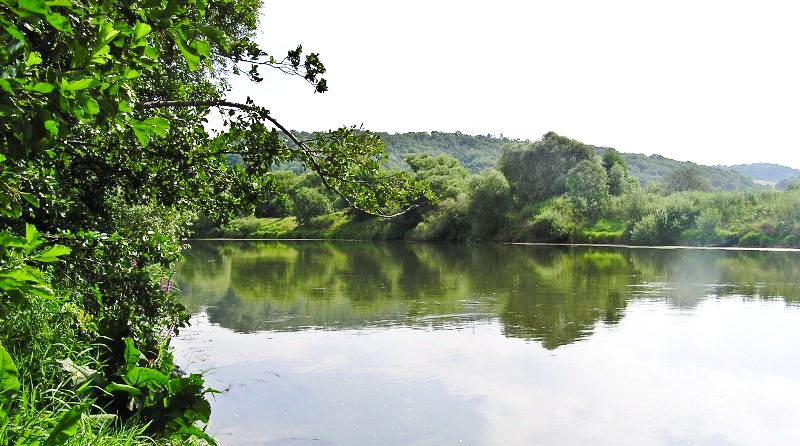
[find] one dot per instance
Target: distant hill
(774, 173)
(648, 169)
(481, 152)
(475, 152)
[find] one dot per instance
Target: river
(357, 343)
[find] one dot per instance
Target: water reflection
(552, 295)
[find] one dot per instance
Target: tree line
(552, 190)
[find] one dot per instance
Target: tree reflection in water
(553, 295)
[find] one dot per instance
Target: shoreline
(584, 245)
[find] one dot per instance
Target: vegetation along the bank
(105, 162)
(552, 190)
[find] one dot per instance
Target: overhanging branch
(263, 113)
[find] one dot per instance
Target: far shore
(586, 245)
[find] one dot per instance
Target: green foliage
(604, 231)
(686, 178)
(554, 221)
(104, 162)
(656, 168)
(445, 175)
(448, 221)
(489, 203)
(310, 203)
(618, 180)
(766, 171)
(665, 224)
(475, 153)
(481, 152)
(280, 203)
(587, 187)
(539, 170)
(169, 403)
(9, 383)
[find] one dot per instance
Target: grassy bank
(747, 219)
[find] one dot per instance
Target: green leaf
(26, 275)
(141, 30)
(191, 57)
(91, 106)
(9, 376)
(62, 3)
(107, 33)
(42, 291)
(12, 241)
(132, 74)
(142, 134)
(34, 58)
(67, 426)
(31, 233)
(6, 85)
(78, 373)
(159, 126)
(140, 376)
(14, 32)
(51, 254)
(194, 431)
(114, 387)
(37, 6)
(43, 87)
(132, 354)
(83, 84)
(52, 127)
(202, 47)
(9, 383)
(30, 198)
(59, 22)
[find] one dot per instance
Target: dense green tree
(445, 174)
(688, 177)
(489, 203)
(539, 170)
(309, 203)
(611, 157)
(587, 187)
(618, 180)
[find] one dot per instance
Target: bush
(489, 203)
(755, 238)
(447, 222)
(310, 203)
(280, 205)
(645, 231)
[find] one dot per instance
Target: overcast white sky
(714, 82)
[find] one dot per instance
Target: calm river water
(356, 343)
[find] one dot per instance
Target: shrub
(447, 222)
(309, 202)
(489, 203)
(553, 223)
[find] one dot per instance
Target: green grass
(604, 231)
(337, 225)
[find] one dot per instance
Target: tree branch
(264, 113)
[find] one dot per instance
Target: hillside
(648, 169)
(475, 152)
(480, 152)
(766, 171)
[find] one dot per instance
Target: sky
(714, 82)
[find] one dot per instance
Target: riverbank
(342, 226)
